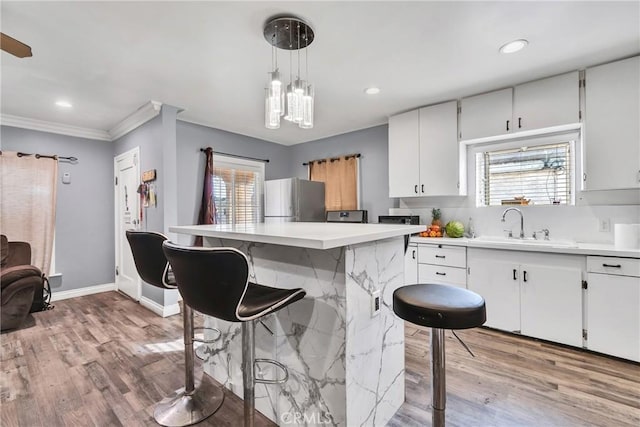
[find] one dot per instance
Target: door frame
(136, 152)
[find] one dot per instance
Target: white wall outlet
(376, 303)
(604, 225)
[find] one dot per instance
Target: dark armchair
(18, 282)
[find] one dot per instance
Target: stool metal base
(183, 409)
(438, 378)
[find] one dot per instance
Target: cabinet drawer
(429, 273)
(610, 265)
(449, 256)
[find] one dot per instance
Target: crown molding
(51, 127)
(139, 117)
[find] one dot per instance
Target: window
(526, 175)
(237, 190)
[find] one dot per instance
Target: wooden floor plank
(104, 360)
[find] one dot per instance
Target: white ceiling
(211, 59)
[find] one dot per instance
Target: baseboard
(80, 292)
(161, 310)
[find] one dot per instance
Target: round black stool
(215, 282)
(439, 307)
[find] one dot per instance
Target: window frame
(574, 135)
(230, 162)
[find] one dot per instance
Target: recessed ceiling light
(372, 91)
(64, 104)
(514, 46)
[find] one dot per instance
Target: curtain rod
(332, 159)
(48, 156)
(237, 155)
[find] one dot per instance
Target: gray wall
(372, 144)
(149, 138)
(192, 137)
(84, 211)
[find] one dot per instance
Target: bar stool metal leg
(248, 371)
(438, 380)
(190, 404)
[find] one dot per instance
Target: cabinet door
(547, 102)
(488, 114)
(613, 315)
(612, 134)
(551, 303)
(404, 156)
(498, 283)
(411, 265)
(439, 161)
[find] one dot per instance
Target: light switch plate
(604, 225)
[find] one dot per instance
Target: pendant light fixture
(293, 102)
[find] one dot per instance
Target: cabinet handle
(515, 277)
(413, 255)
(524, 275)
(422, 188)
(519, 122)
(441, 256)
(507, 124)
(441, 274)
(612, 265)
(415, 188)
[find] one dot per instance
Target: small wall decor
(147, 189)
(148, 176)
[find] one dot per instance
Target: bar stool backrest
(151, 263)
(212, 281)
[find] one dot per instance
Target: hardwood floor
(104, 360)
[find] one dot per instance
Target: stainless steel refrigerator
(293, 200)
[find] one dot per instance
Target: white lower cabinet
(538, 295)
(411, 265)
(613, 306)
(442, 264)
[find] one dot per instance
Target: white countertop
(314, 235)
(599, 249)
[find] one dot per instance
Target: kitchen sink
(527, 241)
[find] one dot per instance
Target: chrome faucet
(521, 219)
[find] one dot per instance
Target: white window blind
(237, 188)
(539, 175)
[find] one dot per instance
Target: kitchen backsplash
(577, 223)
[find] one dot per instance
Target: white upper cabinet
(439, 150)
(485, 115)
(539, 104)
(423, 152)
(612, 133)
(547, 102)
(404, 159)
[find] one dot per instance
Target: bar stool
(215, 281)
(189, 404)
(439, 307)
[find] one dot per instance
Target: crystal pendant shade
(293, 101)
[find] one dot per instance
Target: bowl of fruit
(432, 231)
(435, 229)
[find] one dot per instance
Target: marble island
(346, 364)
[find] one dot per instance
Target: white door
(488, 114)
(611, 125)
(127, 211)
(498, 282)
(439, 150)
(551, 303)
(613, 315)
(548, 102)
(411, 265)
(404, 155)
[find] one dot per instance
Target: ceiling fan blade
(14, 47)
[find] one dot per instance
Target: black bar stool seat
(439, 307)
(215, 281)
